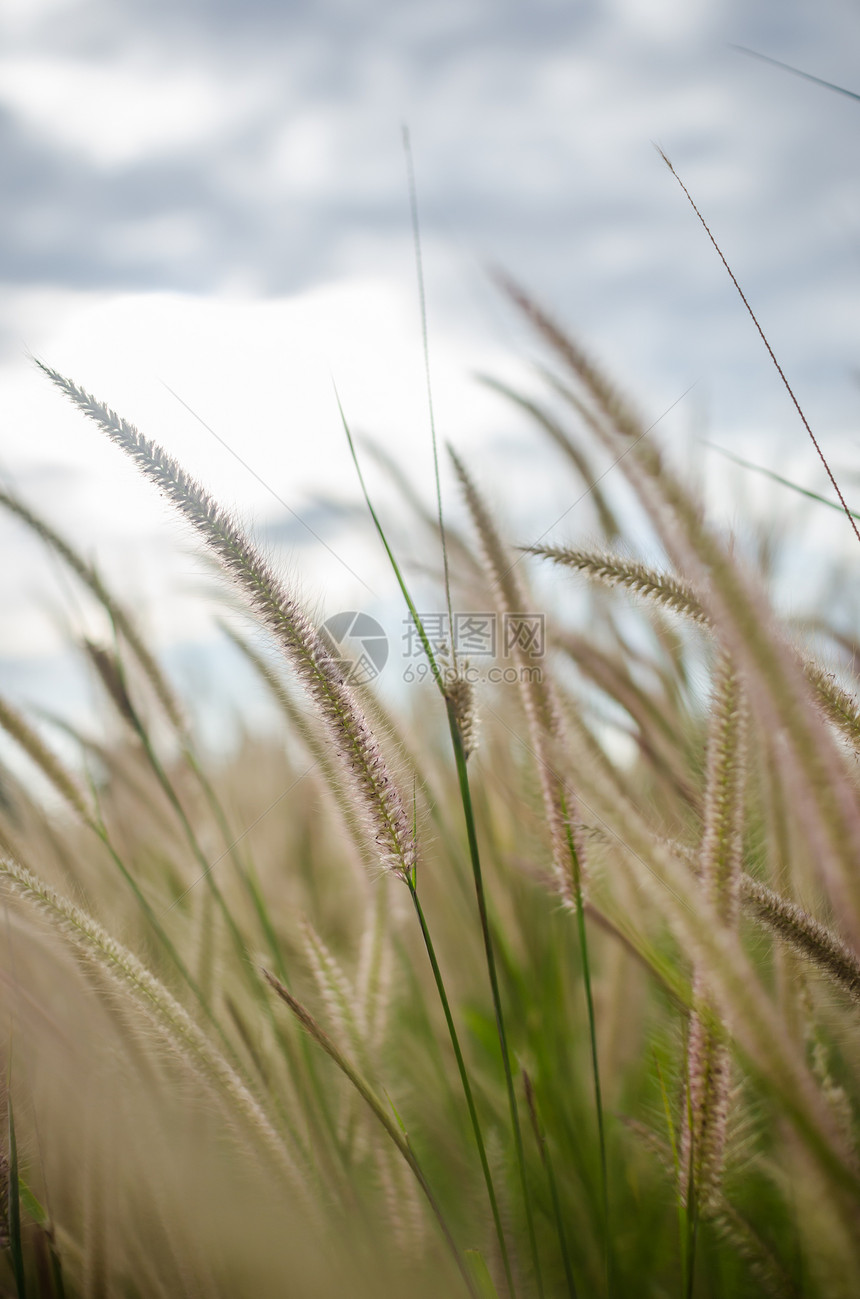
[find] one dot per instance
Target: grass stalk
(848, 513)
(379, 1111)
(17, 727)
(582, 932)
(546, 732)
(466, 1085)
(663, 841)
(94, 945)
(16, 1247)
(460, 759)
(827, 802)
(552, 1182)
(489, 955)
(622, 572)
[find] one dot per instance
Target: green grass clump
(473, 999)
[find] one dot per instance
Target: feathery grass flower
(359, 751)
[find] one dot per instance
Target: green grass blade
(35, 1210)
(481, 1274)
(401, 581)
(467, 1088)
(16, 1246)
(391, 1125)
(582, 932)
(474, 855)
(797, 72)
(422, 300)
(546, 1160)
(778, 478)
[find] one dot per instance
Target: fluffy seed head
(353, 740)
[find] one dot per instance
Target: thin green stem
(16, 1247)
(401, 582)
(692, 1213)
(394, 1129)
(546, 1160)
(193, 843)
(592, 1033)
(422, 303)
(464, 1079)
(676, 1164)
(475, 859)
(474, 855)
(247, 875)
(693, 1234)
(250, 972)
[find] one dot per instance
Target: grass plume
(283, 617)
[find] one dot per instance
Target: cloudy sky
(205, 220)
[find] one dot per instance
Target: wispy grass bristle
(720, 865)
(96, 946)
(539, 702)
(628, 574)
(825, 801)
(19, 729)
(120, 617)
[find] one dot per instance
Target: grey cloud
(531, 127)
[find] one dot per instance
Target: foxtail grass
(453, 706)
(284, 618)
(96, 946)
(703, 1135)
(118, 614)
(826, 802)
(389, 1124)
(545, 725)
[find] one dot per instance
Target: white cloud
(114, 113)
(18, 18)
(664, 21)
(260, 373)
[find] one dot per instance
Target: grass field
(471, 999)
